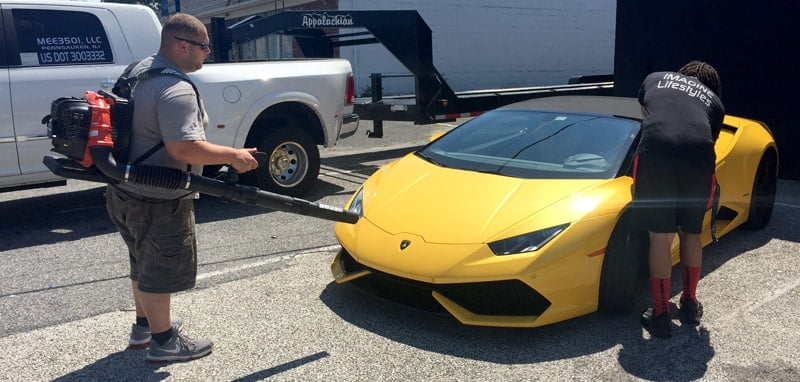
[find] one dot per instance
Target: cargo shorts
(161, 240)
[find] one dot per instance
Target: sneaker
(690, 312)
(140, 335)
(179, 348)
(658, 326)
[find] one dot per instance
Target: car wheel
(293, 163)
(622, 265)
(762, 199)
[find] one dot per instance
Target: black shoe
(658, 326)
(690, 311)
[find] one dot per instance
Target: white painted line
(772, 296)
(339, 172)
(270, 260)
(752, 306)
(787, 205)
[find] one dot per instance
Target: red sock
(691, 276)
(660, 290)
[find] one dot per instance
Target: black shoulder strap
(148, 153)
(125, 83)
(124, 88)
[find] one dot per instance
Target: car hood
(445, 205)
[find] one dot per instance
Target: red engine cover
(100, 129)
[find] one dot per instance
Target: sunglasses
(202, 45)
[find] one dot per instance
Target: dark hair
(705, 73)
(181, 25)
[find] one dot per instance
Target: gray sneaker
(179, 348)
(140, 335)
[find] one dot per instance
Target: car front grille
(495, 298)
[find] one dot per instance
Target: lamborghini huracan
(521, 217)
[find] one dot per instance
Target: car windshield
(536, 145)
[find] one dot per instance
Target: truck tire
(622, 265)
(293, 162)
(762, 199)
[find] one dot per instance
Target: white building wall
(480, 44)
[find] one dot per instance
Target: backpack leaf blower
(81, 129)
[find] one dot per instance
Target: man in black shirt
(674, 180)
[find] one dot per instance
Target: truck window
(3, 48)
(48, 37)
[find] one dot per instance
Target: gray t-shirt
(165, 109)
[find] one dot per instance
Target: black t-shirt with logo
(682, 119)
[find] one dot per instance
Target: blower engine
(93, 132)
(77, 124)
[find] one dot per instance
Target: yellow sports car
(521, 217)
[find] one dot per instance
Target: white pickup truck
(51, 49)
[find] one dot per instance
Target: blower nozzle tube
(172, 178)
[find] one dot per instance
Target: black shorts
(670, 195)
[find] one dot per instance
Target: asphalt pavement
(283, 318)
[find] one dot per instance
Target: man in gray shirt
(158, 224)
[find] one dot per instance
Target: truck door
(9, 165)
(60, 51)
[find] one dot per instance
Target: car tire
(762, 199)
(622, 265)
(293, 163)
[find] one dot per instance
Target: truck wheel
(293, 162)
(762, 199)
(621, 268)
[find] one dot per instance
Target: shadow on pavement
(75, 215)
(126, 365)
(684, 357)
(581, 336)
(440, 333)
(360, 163)
(264, 374)
(130, 365)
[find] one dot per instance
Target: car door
(59, 51)
(9, 165)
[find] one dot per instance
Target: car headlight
(528, 242)
(357, 206)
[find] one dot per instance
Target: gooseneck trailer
(408, 37)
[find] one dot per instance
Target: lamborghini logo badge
(404, 244)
